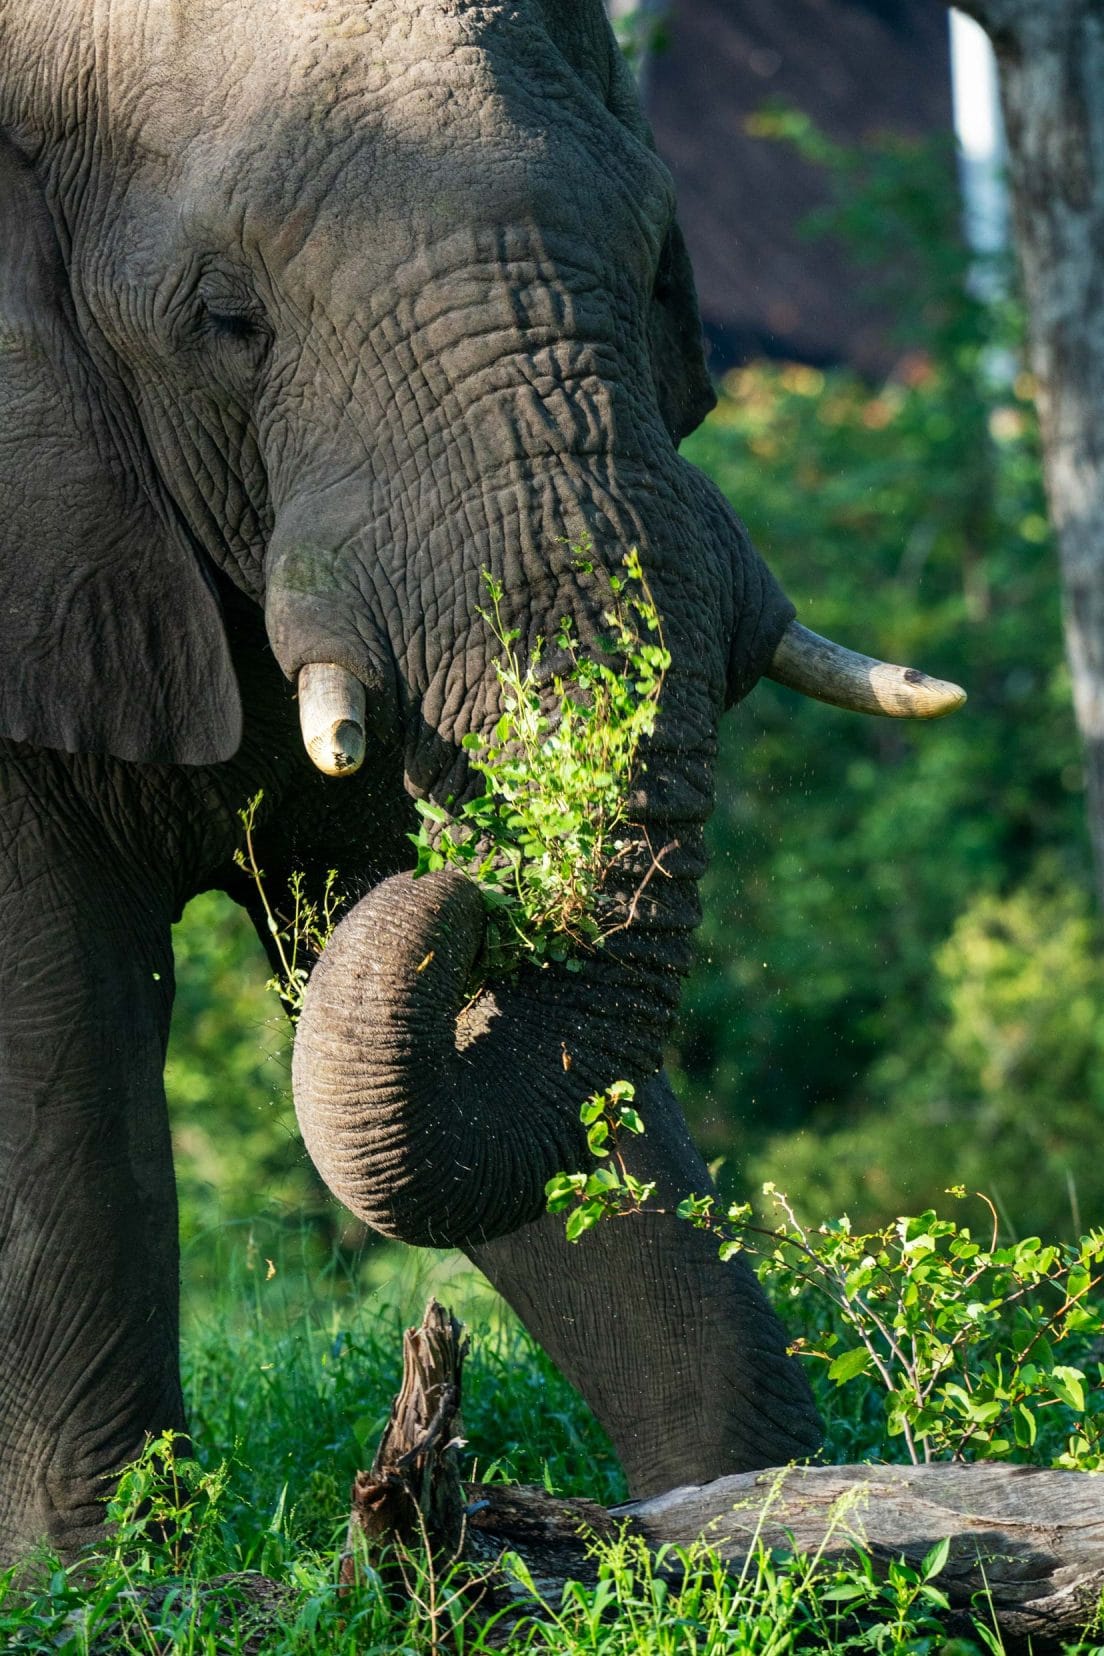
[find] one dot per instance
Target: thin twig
(656, 868)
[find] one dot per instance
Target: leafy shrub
(551, 822)
(960, 1336)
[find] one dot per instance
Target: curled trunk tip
(430, 1133)
(437, 1120)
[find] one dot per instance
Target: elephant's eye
(227, 309)
(231, 323)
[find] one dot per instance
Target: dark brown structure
(855, 66)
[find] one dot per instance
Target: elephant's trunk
(439, 1119)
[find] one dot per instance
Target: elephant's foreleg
(88, 1245)
(680, 1357)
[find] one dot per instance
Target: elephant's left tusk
(331, 717)
(816, 667)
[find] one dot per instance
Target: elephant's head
(346, 304)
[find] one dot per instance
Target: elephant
(311, 311)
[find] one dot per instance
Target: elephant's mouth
(332, 699)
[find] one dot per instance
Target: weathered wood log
(1026, 1544)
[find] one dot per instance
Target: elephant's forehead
(224, 67)
(305, 126)
(299, 109)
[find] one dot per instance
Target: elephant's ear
(111, 639)
(682, 381)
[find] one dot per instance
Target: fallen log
(1026, 1544)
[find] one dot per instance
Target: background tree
(1051, 58)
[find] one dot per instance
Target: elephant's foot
(61, 1511)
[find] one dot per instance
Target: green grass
(290, 1372)
(299, 1369)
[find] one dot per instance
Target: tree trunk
(1026, 1545)
(1051, 58)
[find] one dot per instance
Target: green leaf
(694, 1207)
(596, 1138)
(846, 1592)
(849, 1364)
(1067, 1385)
(583, 1219)
(601, 1181)
(936, 1560)
(1024, 1426)
(427, 808)
(561, 1190)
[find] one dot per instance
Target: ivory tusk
(331, 717)
(816, 667)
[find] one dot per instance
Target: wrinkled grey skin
(310, 311)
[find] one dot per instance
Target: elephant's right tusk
(331, 717)
(816, 667)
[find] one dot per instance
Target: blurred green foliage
(899, 980)
(240, 1161)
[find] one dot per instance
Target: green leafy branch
(961, 1335)
(300, 938)
(610, 1191)
(551, 820)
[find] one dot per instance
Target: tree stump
(412, 1495)
(1026, 1544)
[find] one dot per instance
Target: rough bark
(1051, 57)
(1026, 1552)
(412, 1495)
(1027, 1545)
